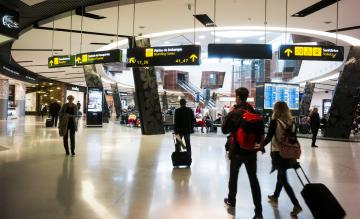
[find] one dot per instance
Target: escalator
(193, 90)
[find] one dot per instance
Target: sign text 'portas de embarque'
(61, 61)
(308, 52)
(163, 56)
(98, 57)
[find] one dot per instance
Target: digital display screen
(95, 100)
(288, 93)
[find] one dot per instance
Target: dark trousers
(72, 140)
(54, 119)
(314, 135)
(187, 142)
(282, 181)
(250, 165)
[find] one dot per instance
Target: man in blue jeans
(239, 156)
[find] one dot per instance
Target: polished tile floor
(118, 173)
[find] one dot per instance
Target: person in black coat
(54, 112)
(184, 125)
(315, 125)
(239, 156)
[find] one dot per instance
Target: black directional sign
(240, 51)
(61, 61)
(163, 56)
(98, 57)
(309, 52)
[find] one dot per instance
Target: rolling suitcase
(49, 123)
(321, 202)
(181, 158)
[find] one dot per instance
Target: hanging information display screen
(308, 52)
(98, 57)
(163, 56)
(288, 93)
(61, 61)
(240, 51)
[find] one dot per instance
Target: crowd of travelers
(243, 152)
(246, 137)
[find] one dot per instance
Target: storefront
(79, 94)
(40, 96)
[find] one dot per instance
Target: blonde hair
(281, 111)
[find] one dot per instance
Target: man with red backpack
(247, 133)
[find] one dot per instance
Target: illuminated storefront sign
(9, 22)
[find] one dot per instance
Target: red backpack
(250, 134)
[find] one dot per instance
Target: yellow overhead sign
(308, 52)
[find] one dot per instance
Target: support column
(306, 100)
(147, 96)
(20, 91)
(345, 98)
(4, 97)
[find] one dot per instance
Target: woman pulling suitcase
(280, 125)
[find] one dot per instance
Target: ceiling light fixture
(307, 32)
(205, 20)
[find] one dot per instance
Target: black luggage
(49, 123)
(321, 202)
(181, 158)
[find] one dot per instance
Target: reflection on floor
(118, 173)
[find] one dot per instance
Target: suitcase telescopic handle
(174, 137)
(307, 179)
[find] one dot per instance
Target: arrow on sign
(132, 60)
(193, 57)
(51, 62)
(288, 52)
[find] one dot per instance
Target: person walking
(314, 125)
(54, 112)
(281, 120)
(68, 124)
(43, 111)
(239, 156)
(184, 125)
(78, 105)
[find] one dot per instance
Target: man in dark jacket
(238, 156)
(184, 124)
(54, 112)
(315, 125)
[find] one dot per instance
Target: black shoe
(296, 210)
(73, 154)
(228, 203)
(314, 146)
(272, 199)
(67, 153)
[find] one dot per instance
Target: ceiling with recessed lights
(168, 15)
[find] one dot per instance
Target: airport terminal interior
(113, 76)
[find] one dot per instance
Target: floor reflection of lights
(121, 174)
